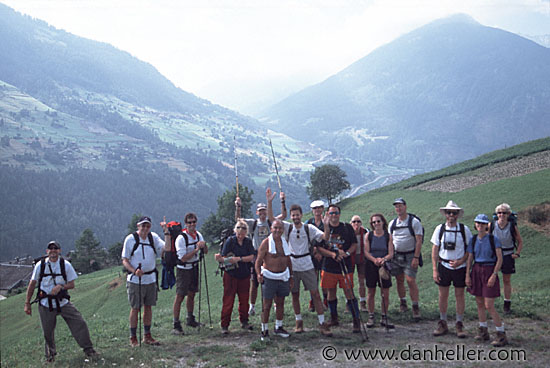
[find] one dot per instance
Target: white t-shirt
(299, 245)
(145, 255)
(403, 241)
(182, 248)
(452, 235)
(48, 282)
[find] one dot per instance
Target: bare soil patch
(115, 283)
(540, 212)
(516, 167)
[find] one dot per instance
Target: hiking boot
(334, 321)
(134, 341)
(442, 328)
(325, 329)
(264, 336)
(299, 326)
(50, 359)
(192, 322)
(385, 323)
(507, 305)
(416, 312)
(403, 306)
(356, 325)
(460, 333)
(311, 306)
(482, 334)
(90, 353)
(280, 331)
(148, 339)
(363, 306)
(177, 330)
(251, 310)
(225, 330)
(370, 321)
(246, 326)
(500, 340)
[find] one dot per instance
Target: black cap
(143, 220)
(54, 245)
(399, 201)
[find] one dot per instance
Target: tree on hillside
(327, 181)
(115, 250)
(224, 218)
(88, 256)
(132, 226)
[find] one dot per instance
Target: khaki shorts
(148, 295)
(309, 278)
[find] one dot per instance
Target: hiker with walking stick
(378, 250)
(188, 245)
(142, 248)
(237, 254)
(342, 244)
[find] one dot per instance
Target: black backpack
(370, 236)
(137, 243)
(491, 241)
(170, 257)
(513, 220)
(40, 294)
(411, 230)
(310, 246)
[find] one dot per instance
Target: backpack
(411, 230)
(462, 231)
(170, 257)
(370, 236)
(491, 241)
(40, 294)
(137, 243)
(310, 250)
(186, 237)
(513, 220)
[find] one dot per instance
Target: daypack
(41, 294)
(513, 220)
(137, 243)
(186, 237)
(411, 230)
(306, 228)
(491, 241)
(170, 257)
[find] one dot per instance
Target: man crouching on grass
(274, 270)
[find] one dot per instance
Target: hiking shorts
(187, 281)
(372, 277)
(480, 276)
(332, 280)
(308, 278)
(401, 263)
(457, 276)
(508, 265)
(272, 288)
(148, 294)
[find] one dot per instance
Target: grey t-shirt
(258, 234)
(403, 241)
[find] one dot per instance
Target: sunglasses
(356, 221)
(375, 222)
(298, 234)
(502, 213)
(454, 213)
(241, 228)
(191, 222)
(334, 213)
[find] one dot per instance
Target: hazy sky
(245, 54)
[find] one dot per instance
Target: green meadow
(101, 297)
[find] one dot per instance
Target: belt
(409, 252)
(300, 256)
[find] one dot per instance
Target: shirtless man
(274, 270)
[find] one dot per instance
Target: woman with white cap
(485, 250)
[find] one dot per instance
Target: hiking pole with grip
(139, 310)
(382, 296)
(206, 285)
(236, 171)
(200, 293)
(275, 163)
(363, 329)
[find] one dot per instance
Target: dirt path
(516, 167)
(411, 343)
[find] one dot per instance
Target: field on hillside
(101, 297)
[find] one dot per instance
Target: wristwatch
(348, 254)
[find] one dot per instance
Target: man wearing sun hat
(449, 256)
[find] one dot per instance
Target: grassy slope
(106, 309)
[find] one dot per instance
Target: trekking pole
(200, 294)
(344, 269)
(139, 310)
(207, 294)
(275, 163)
(382, 296)
(236, 171)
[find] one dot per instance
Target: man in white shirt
(54, 277)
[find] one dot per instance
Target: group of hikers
(276, 256)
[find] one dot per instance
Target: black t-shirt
(232, 248)
(341, 237)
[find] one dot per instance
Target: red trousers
(232, 286)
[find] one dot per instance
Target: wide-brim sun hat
(451, 206)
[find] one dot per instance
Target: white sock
(278, 323)
(507, 300)
(298, 317)
(251, 306)
(265, 326)
(443, 316)
(501, 328)
(321, 318)
(483, 324)
(459, 317)
(363, 299)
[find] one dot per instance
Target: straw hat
(451, 206)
